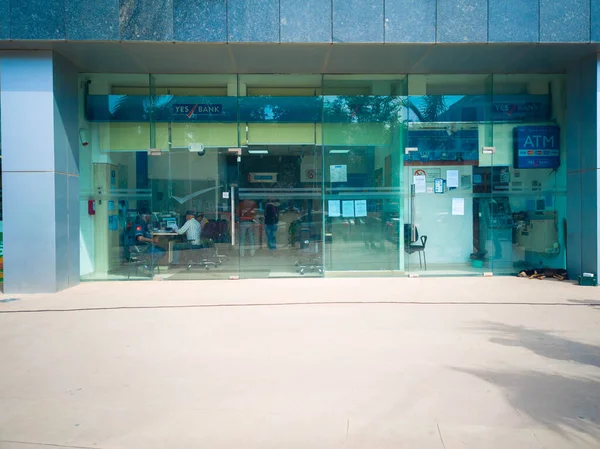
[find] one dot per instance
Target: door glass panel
(280, 215)
(449, 121)
(363, 133)
(193, 176)
(528, 183)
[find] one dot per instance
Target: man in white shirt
(192, 230)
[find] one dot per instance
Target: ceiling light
(258, 151)
(339, 151)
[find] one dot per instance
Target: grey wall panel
(200, 20)
(66, 116)
(30, 267)
(27, 111)
(61, 229)
(37, 19)
(564, 21)
(253, 20)
(589, 221)
(146, 20)
(73, 210)
(358, 21)
(4, 19)
(574, 249)
(92, 19)
(462, 21)
(410, 21)
(514, 20)
(306, 21)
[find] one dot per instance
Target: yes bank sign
(191, 110)
(537, 146)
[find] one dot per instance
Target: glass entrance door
(194, 210)
(449, 123)
(280, 216)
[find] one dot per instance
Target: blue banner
(441, 145)
(537, 146)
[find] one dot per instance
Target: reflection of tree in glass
(427, 108)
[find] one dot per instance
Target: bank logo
(192, 110)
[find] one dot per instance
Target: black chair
(139, 256)
(412, 248)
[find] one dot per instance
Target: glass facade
(227, 176)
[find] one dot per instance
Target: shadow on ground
(543, 343)
(564, 404)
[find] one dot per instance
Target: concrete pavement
(320, 363)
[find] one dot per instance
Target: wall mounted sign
(537, 146)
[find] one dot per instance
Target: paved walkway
(308, 363)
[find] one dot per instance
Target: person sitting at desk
(192, 230)
(139, 234)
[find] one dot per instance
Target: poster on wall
(360, 208)
(338, 173)
(334, 208)
(348, 209)
(537, 146)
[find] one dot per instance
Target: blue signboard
(537, 146)
(441, 145)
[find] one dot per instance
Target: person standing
(247, 212)
(271, 221)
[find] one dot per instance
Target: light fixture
(258, 151)
(339, 151)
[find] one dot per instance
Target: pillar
(583, 166)
(40, 173)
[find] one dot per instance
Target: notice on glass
(360, 208)
(420, 182)
(452, 178)
(111, 205)
(348, 208)
(458, 206)
(334, 208)
(338, 173)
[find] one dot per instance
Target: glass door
(449, 126)
(193, 217)
(280, 212)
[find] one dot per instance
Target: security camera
(197, 148)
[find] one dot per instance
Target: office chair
(411, 249)
(311, 259)
(138, 256)
(202, 257)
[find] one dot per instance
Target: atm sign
(537, 146)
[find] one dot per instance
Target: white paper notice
(338, 173)
(348, 208)
(420, 182)
(360, 208)
(334, 208)
(458, 206)
(452, 178)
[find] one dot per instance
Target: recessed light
(339, 151)
(258, 151)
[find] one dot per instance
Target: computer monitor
(171, 222)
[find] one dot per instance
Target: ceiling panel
(147, 57)
(347, 58)
(279, 58)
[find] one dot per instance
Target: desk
(171, 237)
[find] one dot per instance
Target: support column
(583, 166)
(40, 171)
